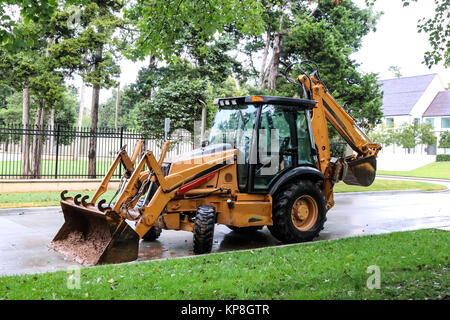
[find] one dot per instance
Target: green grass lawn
(65, 167)
(44, 199)
(439, 170)
(412, 265)
(41, 199)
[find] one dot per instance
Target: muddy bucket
(361, 172)
(90, 236)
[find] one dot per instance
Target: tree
(383, 135)
(127, 102)
(162, 24)
(438, 30)
(411, 135)
(178, 100)
(396, 71)
(327, 33)
(444, 140)
(91, 50)
(27, 67)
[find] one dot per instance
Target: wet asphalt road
(25, 233)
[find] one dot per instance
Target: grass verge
(438, 170)
(389, 185)
(41, 199)
(413, 265)
(46, 199)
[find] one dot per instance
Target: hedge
(443, 157)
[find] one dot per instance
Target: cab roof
(303, 103)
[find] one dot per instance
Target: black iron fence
(64, 152)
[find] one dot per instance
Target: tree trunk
(262, 74)
(51, 126)
(37, 141)
(25, 137)
(116, 122)
(92, 170)
(38, 138)
(77, 145)
(152, 63)
(275, 62)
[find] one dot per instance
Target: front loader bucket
(361, 172)
(90, 236)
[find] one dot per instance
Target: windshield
(233, 126)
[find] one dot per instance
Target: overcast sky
(395, 43)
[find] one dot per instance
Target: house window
(389, 122)
(430, 120)
(445, 123)
(416, 121)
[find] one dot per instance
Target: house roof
(440, 105)
(401, 94)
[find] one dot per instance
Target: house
(438, 113)
(420, 99)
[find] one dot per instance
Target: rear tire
(299, 212)
(205, 221)
(152, 234)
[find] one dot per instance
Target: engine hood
(208, 150)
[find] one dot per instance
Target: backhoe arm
(359, 169)
(339, 118)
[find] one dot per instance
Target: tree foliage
(162, 25)
(444, 140)
(178, 100)
(438, 30)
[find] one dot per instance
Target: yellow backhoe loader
(267, 163)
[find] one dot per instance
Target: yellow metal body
(232, 208)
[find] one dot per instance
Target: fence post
(57, 151)
(121, 138)
(120, 146)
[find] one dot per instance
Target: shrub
(443, 157)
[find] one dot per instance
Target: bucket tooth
(63, 195)
(100, 205)
(83, 201)
(75, 199)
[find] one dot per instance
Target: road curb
(413, 178)
(388, 192)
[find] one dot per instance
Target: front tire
(299, 212)
(205, 221)
(152, 234)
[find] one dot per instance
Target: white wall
(427, 97)
(401, 161)
(398, 120)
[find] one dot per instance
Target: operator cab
(271, 134)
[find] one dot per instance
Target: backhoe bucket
(361, 172)
(90, 236)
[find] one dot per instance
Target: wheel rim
(304, 213)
